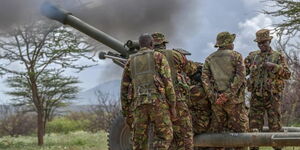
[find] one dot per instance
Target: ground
(72, 141)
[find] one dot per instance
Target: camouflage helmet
(224, 39)
(159, 38)
(263, 35)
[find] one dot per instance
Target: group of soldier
(181, 98)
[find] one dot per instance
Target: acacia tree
(289, 10)
(55, 90)
(32, 53)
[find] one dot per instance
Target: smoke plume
(123, 19)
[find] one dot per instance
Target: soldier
(223, 77)
(200, 106)
(183, 129)
(267, 70)
(153, 95)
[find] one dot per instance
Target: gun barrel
(247, 139)
(67, 18)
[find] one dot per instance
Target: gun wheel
(119, 134)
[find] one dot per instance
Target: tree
(55, 90)
(288, 35)
(289, 10)
(33, 50)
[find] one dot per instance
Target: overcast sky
(194, 28)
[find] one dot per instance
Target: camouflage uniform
(200, 106)
(150, 101)
(183, 130)
(265, 85)
(224, 73)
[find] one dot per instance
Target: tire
(119, 134)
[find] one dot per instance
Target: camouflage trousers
(200, 109)
(183, 129)
(159, 116)
(229, 117)
(269, 105)
(259, 106)
(201, 116)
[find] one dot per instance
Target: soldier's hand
(221, 99)
(269, 65)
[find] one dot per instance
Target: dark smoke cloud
(123, 19)
(127, 19)
(14, 12)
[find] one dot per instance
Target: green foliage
(290, 10)
(65, 125)
(78, 140)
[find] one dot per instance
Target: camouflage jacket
(213, 71)
(181, 68)
(163, 83)
(261, 81)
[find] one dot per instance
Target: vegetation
(78, 140)
(34, 56)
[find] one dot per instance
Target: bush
(15, 122)
(65, 125)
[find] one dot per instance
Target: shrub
(15, 121)
(65, 125)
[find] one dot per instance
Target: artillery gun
(119, 135)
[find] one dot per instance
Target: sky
(192, 25)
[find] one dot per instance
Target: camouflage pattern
(183, 130)
(266, 87)
(224, 39)
(159, 38)
(145, 109)
(235, 89)
(265, 84)
(158, 114)
(261, 81)
(226, 64)
(200, 106)
(269, 105)
(200, 109)
(263, 35)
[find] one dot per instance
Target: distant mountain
(89, 97)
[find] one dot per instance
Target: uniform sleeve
(207, 81)
(126, 90)
(282, 69)
(165, 74)
(240, 75)
(248, 64)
